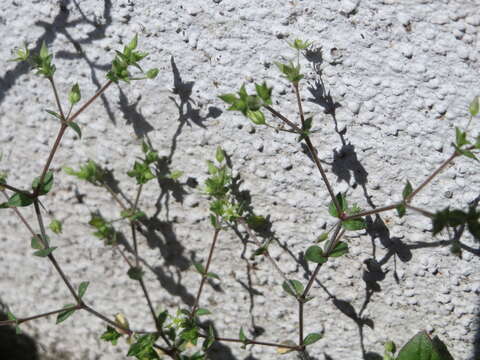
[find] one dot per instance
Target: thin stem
(57, 99)
(259, 244)
(207, 266)
(60, 134)
(300, 323)
(252, 342)
(430, 178)
(299, 103)
(34, 317)
(114, 196)
(137, 198)
(50, 256)
(92, 99)
(373, 211)
(113, 323)
(14, 189)
(421, 211)
(314, 155)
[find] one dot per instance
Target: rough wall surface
(401, 74)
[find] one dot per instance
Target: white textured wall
(402, 73)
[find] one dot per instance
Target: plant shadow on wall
(60, 25)
(174, 334)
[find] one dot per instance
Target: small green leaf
(18, 200)
(64, 315)
(312, 338)
(466, 153)
(256, 117)
(401, 210)
(53, 113)
(354, 224)
(74, 95)
(201, 312)
(322, 237)
(219, 155)
(213, 275)
(111, 335)
(342, 201)
(44, 252)
(43, 51)
(407, 190)
(56, 226)
(74, 126)
(421, 347)
(229, 98)
(293, 287)
(199, 267)
(340, 249)
(12, 317)
(390, 347)
(210, 339)
(133, 43)
(264, 92)
(299, 44)
(35, 243)
(82, 288)
(242, 336)
(135, 273)
(474, 106)
(315, 254)
(152, 73)
(47, 183)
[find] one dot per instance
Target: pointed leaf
(340, 249)
(82, 288)
(64, 315)
(293, 287)
(201, 312)
(74, 126)
(474, 106)
(315, 254)
(312, 338)
(44, 252)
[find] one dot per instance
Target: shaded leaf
(315, 254)
(340, 249)
(64, 315)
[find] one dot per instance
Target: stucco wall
(402, 73)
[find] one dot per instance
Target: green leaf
(340, 249)
(460, 137)
(12, 317)
(56, 226)
(354, 224)
(213, 275)
(111, 335)
(135, 273)
(47, 183)
(474, 106)
(242, 336)
(82, 288)
(210, 339)
(43, 51)
(162, 317)
(293, 287)
(130, 215)
(74, 126)
(219, 155)
(264, 92)
(390, 347)
(35, 243)
(133, 43)
(143, 348)
(256, 117)
(74, 95)
(466, 153)
(401, 210)
(407, 190)
(342, 201)
(229, 98)
(64, 315)
(152, 73)
(421, 347)
(199, 267)
(201, 312)
(53, 113)
(312, 338)
(299, 44)
(175, 175)
(18, 200)
(315, 254)
(44, 252)
(322, 237)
